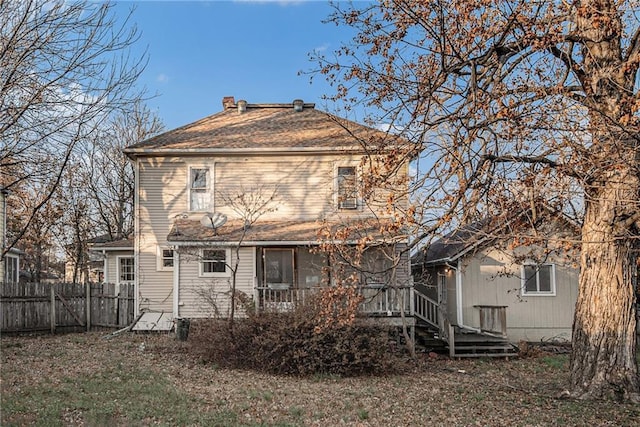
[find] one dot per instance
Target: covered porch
(377, 300)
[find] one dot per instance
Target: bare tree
(249, 204)
(65, 68)
(108, 174)
(511, 102)
(38, 239)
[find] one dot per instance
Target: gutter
(176, 285)
(459, 313)
(227, 243)
(133, 152)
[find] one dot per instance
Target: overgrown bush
(292, 343)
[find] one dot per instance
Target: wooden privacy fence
(30, 307)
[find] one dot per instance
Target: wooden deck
(378, 301)
(398, 306)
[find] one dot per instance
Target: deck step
(460, 355)
(484, 347)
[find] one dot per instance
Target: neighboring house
(93, 268)
(490, 278)
(10, 263)
(116, 261)
(11, 266)
(256, 183)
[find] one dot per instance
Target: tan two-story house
(253, 197)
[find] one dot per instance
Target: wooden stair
(465, 343)
(433, 331)
(478, 344)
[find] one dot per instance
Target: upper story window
(539, 279)
(347, 185)
(199, 194)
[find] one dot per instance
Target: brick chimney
(228, 102)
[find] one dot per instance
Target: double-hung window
(347, 187)
(214, 262)
(538, 279)
(199, 194)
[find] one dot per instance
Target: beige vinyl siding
(161, 196)
(209, 296)
(491, 278)
(303, 186)
(301, 190)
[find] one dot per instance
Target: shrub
(291, 343)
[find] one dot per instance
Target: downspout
(176, 284)
(136, 235)
(459, 316)
(458, 276)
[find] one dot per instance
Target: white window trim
(119, 258)
(336, 192)
(209, 188)
(227, 270)
(523, 288)
(6, 271)
(160, 258)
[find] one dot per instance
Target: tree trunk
(604, 330)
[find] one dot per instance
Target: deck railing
(493, 319)
(377, 300)
(426, 309)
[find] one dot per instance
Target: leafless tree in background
(65, 69)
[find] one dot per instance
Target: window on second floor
(538, 279)
(347, 187)
(199, 194)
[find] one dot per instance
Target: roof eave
(133, 152)
(111, 248)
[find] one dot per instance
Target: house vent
(298, 105)
(242, 106)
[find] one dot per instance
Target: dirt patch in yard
(151, 379)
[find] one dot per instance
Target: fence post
(53, 309)
(87, 296)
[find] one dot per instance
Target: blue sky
(200, 51)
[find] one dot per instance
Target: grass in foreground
(86, 380)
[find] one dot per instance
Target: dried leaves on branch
(514, 104)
